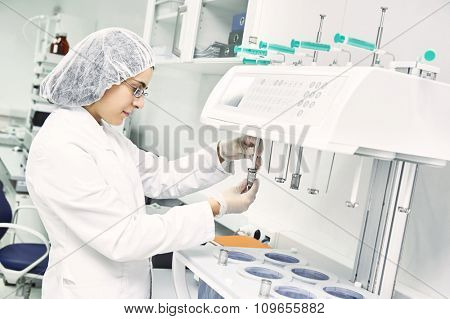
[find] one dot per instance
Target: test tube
(352, 203)
(264, 289)
(251, 174)
(295, 181)
(313, 190)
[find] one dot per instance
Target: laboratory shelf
(48, 58)
(163, 60)
(38, 99)
(168, 17)
(217, 66)
(228, 5)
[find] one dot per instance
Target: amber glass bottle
(59, 44)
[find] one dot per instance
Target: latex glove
(234, 200)
(239, 148)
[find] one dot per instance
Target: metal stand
(384, 226)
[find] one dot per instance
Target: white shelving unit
(175, 28)
(203, 65)
(168, 17)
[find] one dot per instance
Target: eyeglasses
(137, 91)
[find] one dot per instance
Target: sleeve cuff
(210, 230)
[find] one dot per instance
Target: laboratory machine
(395, 116)
(362, 111)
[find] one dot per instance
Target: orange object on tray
(239, 241)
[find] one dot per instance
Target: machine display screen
(236, 90)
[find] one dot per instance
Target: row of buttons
(284, 83)
(275, 91)
(287, 83)
(279, 103)
(316, 85)
(306, 103)
(260, 108)
(309, 94)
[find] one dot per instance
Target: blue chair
(20, 261)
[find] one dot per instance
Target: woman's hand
(240, 148)
(234, 200)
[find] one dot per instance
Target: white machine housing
(351, 110)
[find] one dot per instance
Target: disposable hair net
(101, 60)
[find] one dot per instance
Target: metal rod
(376, 58)
(270, 157)
(331, 171)
(353, 203)
(319, 36)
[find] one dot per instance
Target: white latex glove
(239, 148)
(234, 200)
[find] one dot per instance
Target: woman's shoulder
(65, 127)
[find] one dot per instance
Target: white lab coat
(88, 184)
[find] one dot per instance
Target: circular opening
(343, 293)
(310, 274)
(282, 257)
(236, 255)
(294, 292)
(264, 272)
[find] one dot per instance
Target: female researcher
(88, 182)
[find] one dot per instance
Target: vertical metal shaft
(376, 58)
(398, 210)
(319, 36)
(353, 201)
(295, 181)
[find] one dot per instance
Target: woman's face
(118, 102)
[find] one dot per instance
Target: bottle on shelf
(60, 45)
